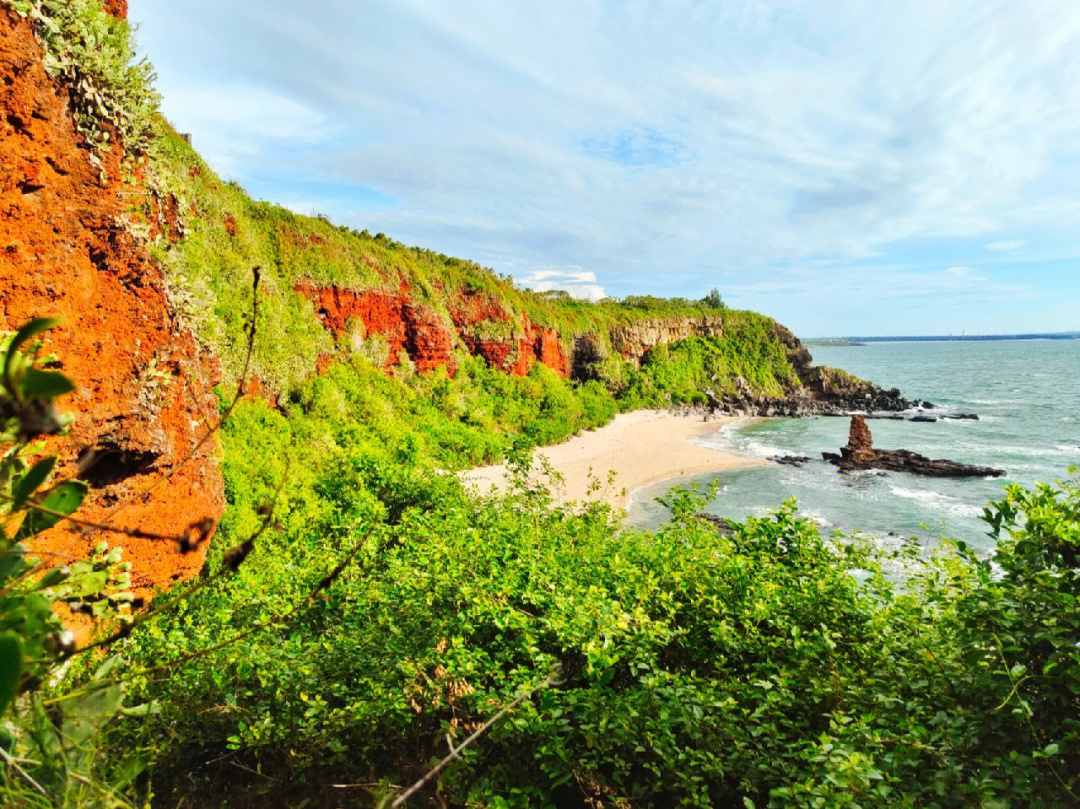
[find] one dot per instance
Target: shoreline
(642, 448)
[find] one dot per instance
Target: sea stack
(859, 437)
(859, 454)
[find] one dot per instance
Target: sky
(855, 168)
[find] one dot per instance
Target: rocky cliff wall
(633, 341)
(402, 324)
(482, 325)
(144, 385)
(489, 330)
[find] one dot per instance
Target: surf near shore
(641, 448)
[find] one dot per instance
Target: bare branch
(240, 386)
(401, 799)
(275, 620)
(202, 528)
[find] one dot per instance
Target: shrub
(49, 743)
(92, 55)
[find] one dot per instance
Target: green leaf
(87, 714)
(34, 327)
(31, 481)
(52, 578)
(13, 562)
(62, 500)
(143, 710)
(45, 384)
(10, 669)
(1051, 749)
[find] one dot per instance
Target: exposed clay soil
(426, 339)
(143, 383)
(403, 324)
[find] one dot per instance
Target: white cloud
(1009, 246)
(662, 146)
(579, 284)
(236, 124)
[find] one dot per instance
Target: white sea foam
(1006, 449)
(730, 440)
(938, 501)
(867, 473)
(817, 519)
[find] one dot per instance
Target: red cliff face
(143, 383)
(403, 324)
(427, 341)
(543, 346)
(487, 330)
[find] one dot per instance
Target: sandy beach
(642, 447)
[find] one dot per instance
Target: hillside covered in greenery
(360, 613)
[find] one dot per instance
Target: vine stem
(403, 798)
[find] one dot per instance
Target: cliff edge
(144, 383)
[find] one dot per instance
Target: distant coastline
(949, 338)
(833, 341)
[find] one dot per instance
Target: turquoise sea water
(1027, 394)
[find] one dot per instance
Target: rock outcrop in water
(859, 454)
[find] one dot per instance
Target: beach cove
(642, 448)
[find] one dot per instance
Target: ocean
(1027, 396)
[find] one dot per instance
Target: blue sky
(849, 168)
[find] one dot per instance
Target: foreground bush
(774, 667)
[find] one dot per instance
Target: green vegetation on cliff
(218, 234)
(91, 54)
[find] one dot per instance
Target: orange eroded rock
(144, 384)
(859, 437)
(118, 8)
(406, 326)
(513, 354)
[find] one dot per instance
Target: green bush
(91, 53)
(49, 754)
(771, 668)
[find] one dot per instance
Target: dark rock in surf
(792, 460)
(724, 527)
(860, 454)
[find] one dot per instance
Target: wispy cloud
(664, 148)
(1007, 246)
(237, 124)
